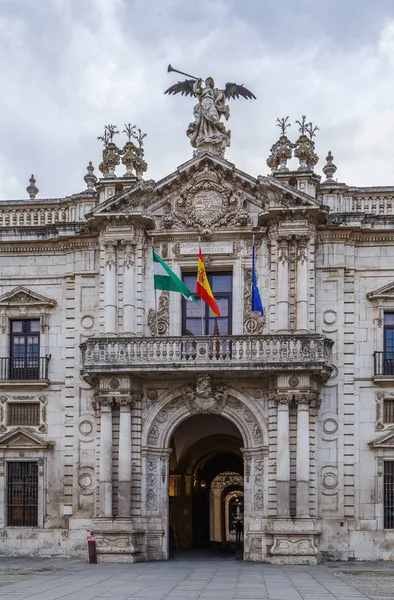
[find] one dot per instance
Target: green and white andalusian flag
(165, 279)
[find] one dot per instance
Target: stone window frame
(22, 303)
(5, 401)
(382, 301)
(22, 446)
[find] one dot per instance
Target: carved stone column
(302, 284)
(217, 514)
(129, 292)
(282, 304)
(283, 458)
(302, 469)
(124, 473)
(110, 288)
(105, 465)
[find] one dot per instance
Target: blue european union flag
(257, 305)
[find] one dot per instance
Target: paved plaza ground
(192, 578)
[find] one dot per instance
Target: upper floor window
(389, 335)
(25, 349)
(197, 319)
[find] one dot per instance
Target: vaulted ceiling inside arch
(208, 443)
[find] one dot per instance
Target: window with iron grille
(388, 485)
(388, 410)
(22, 494)
(23, 413)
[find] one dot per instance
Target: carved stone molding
(163, 316)
(283, 250)
(129, 254)
(302, 249)
(102, 401)
(208, 202)
(205, 397)
(110, 252)
(123, 401)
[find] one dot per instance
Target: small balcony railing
(384, 364)
(23, 369)
(211, 353)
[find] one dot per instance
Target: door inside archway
(205, 484)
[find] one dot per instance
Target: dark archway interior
(203, 447)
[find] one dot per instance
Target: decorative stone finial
(111, 151)
(133, 156)
(90, 178)
(32, 189)
(305, 146)
(329, 168)
(282, 150)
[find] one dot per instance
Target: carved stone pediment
(384, 293)
(207, 202)
(385, 441)
(22, 296)
(23, 439)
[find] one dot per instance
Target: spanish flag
(203, 289)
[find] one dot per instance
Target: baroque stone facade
(121, 424)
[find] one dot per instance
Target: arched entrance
(190, 436)
(206, 466)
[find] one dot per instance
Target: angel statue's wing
(182, 87)
(233, 90)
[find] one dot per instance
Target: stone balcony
(253, 355)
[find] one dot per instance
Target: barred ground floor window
(388, 484)
(22, 494)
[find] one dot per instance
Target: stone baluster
(129, 292)
(105, 465)
(302, 285)
(302, 469)
(282, 304)
(124, 469)
(110, 288)
(283, 458)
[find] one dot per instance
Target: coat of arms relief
(206, 203)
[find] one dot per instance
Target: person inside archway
(239, 529)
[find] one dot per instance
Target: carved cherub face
(209, 82)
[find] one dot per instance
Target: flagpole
(201, 302)
(253, 267)
(156, 323)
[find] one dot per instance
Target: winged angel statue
(208, 132)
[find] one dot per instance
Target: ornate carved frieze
(253, 321)
(163, 315)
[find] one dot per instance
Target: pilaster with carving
(282, 303)
(110, 286)
(129, 292)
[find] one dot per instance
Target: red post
(92, 550)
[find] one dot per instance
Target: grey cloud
(70, 66)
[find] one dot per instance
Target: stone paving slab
(60, 579)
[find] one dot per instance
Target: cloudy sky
(68, 67)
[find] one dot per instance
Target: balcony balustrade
(384, 364)
(247, 353)
(24, 369)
